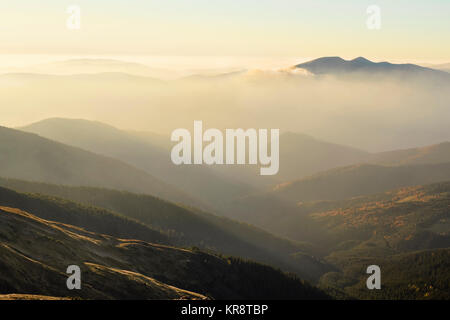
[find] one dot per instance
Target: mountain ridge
(31, 157)
(199, 182)
(124, 268)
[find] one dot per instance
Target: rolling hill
(301, 155)
(30, 157)
(115, 268)
(143, 152)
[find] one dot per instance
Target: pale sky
(411, 30)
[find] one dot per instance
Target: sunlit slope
(179, 225)
(88, 217)
(126, 269)
(28, 156)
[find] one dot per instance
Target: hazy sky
(411, 30)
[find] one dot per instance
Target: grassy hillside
(90, 218)
(182, 226)
(302, 155)
(28, 156)
(115, 268)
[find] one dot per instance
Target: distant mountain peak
(361, 59)
(325, 64)
(330, 59)
(360, 65)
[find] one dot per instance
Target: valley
(357, 183)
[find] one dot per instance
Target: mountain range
(145, 152)
(30, 157)
(301, 155)
(74, 191)
(147, 218)
(304, 160)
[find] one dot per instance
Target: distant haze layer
(375, 109)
